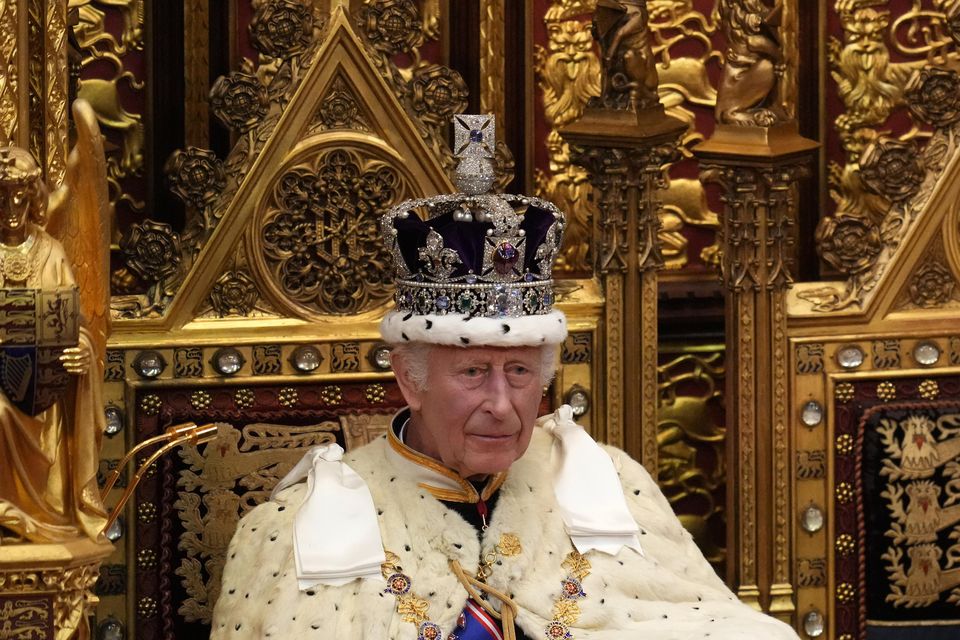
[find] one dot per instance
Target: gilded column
(623, 140)
(196, 53)
(10, 76)
(45, 55)
(756, 156)
(492, 59)
(55, 124)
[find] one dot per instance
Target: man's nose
(498, 398)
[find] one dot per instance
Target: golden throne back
(875, 380)
(263, 315)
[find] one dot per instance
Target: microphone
(176, 436)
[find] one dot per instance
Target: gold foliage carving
(9, 80)
(904, 179)
(874, 187)
(691, 441)
(230, 476)
(99, 45)
(91, 29)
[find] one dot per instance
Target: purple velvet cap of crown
(469, 239)
(479, 258)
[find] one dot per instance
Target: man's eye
(473, 371)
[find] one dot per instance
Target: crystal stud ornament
(926, 353)
(114, 421)
(813, 624)
(149, 364)
(812, 519)
(110, 629)
(812, 413)
(850, 356)
(228, 361)
(579, 400)
(380, 357)
(306, 358)
(115, 531)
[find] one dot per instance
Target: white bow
(336, 536)
(588, 489)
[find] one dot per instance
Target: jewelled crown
(474, 267)
(17, 166)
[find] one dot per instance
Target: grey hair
(415, 355)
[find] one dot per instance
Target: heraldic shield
(35, 328)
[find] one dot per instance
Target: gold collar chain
(508, 546)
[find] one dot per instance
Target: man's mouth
(491, 437)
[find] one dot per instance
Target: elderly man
(471, 518)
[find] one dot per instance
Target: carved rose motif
(339, 109)
(953, 22)
(934, 96)
(932, 286)
(152, 250)
(239, 100)
(195, 176)
(849, 243)
(892, 169)
(393, 26)
(282, 28)
(233, 294)
(438, 94)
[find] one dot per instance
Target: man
(471, 518)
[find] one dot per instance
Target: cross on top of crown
(474, 136)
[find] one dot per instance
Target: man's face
(477, 412)
(14, 206)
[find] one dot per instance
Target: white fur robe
(668, 593)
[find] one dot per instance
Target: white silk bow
(588, 489)
(336, 533)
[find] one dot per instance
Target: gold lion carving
(626, 42)
(749, 88)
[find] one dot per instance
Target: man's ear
(411, 393)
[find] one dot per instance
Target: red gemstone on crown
(505, 258)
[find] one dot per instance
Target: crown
(17, 166)
(474, 255)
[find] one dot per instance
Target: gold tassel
(508, 611)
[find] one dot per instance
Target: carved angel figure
(749, 87)
(626, 44)
(48, 486)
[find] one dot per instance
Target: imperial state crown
(474, 267)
